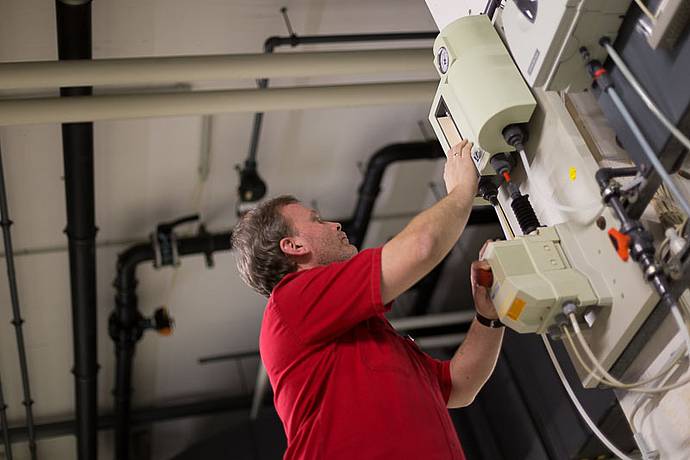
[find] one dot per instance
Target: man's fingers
(457, 149)
(480, 265)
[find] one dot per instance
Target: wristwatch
(484, 321)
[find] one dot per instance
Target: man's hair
(256, 242)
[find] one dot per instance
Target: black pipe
(139, 417)
(370, 187)
(294, 40)
(17, 320)
(126, 324)
(74, 42)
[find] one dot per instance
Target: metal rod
(17, 320)
(648, 151)
(94, 108)
(3, 422)
(174, 69)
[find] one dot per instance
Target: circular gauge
(443, 59)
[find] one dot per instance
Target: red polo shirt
(346, 384)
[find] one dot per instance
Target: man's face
(323, 241)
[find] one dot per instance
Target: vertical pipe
(74, 42)
(17, 320)
(3, 422)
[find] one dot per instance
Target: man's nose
(338, 226)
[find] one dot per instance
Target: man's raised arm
(429, 237)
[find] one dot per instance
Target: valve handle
(163, 322)
(621, 243)
(485, 278)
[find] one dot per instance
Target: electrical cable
(663, 373)
(634, 387)
(578, 405)
(627, 73)
(597, 208)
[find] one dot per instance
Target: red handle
(621, 243)
(485, 278)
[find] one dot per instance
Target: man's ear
(293, 246)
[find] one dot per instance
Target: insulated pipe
(94, 108)
(272, 43)
(74, 42)
(124, 324)
(17, 320)
(173, 69)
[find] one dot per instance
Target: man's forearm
(444, 222)
(474, 362)
(424, 242)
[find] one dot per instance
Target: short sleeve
(324, 302)
(440, 369)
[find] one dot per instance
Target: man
(346, 384)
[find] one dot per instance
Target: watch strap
(484, 321)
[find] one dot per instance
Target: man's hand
(482, 300)
(460, 170)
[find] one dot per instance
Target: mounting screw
(601, 222)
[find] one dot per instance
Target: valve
(161, 321)
(621, 243)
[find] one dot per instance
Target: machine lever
(621, 242)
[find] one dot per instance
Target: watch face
(443, 59)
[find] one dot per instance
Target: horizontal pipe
(95, 108)
(440, 319)
(143, 416)
(172, 69)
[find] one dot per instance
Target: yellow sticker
(573, 174)
(515, 309)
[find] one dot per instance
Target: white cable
(597, 208)
(625, 70)
(571, 29)
(577, 404)
(663, 373)
(617, 383)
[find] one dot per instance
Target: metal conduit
(157, 70)
(3, 422)
(17, 320)
(95, 108)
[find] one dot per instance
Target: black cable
(17, 320)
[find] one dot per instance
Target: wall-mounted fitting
(251, 189)
(164, 241)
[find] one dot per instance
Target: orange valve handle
(621, 243)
